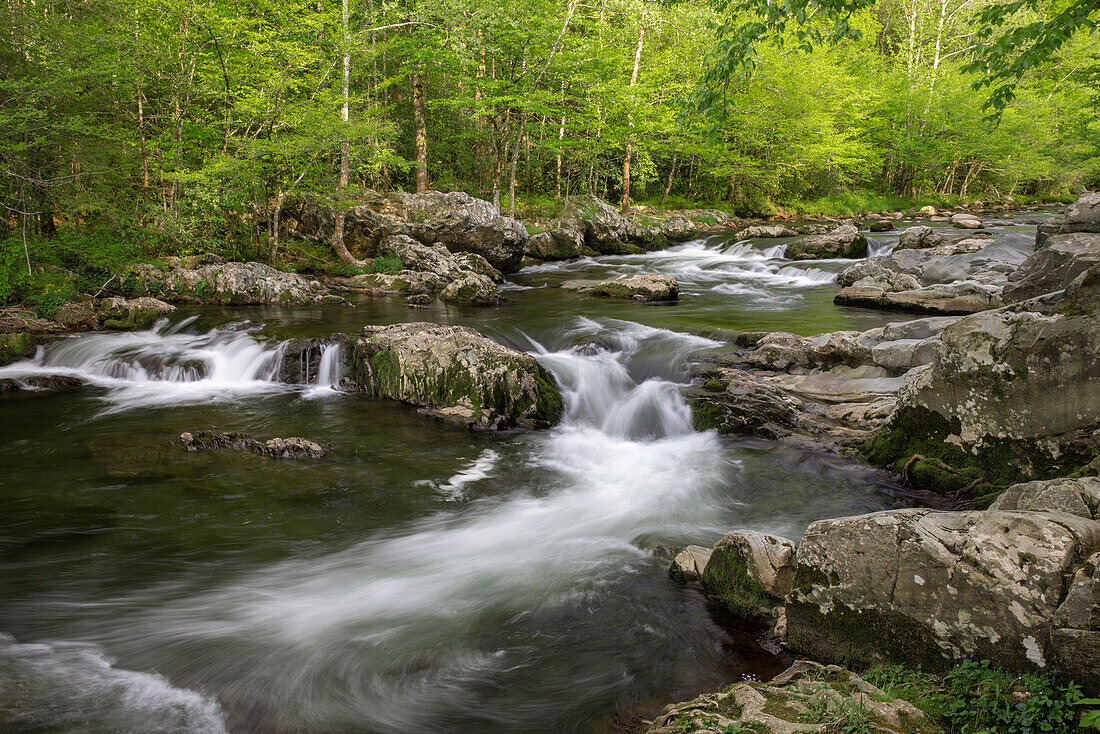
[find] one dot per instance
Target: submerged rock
(844, 242)
(52, 383)
(637, 286)
(454, 372)
(293, 447)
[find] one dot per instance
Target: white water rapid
(389, 632)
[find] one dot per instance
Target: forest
(146, 127)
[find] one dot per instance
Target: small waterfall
(331, 368)
(170, 364)
(876, 247)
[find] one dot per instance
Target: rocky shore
(997, 408)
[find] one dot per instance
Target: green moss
(14, 347)
(548, 401)
(726, 579)
(714, 385)
(706, 416)
(859, 639)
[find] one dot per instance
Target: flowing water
(420, 578)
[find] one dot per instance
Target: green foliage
(983, 698)
(1090, 718)
(978, 698)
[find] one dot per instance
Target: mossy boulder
(924, 587)
(226, 282)
(750, 573)
(635, 286)
(454, 373)
(844, 242)
(1010, 395)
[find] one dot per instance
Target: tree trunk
(273, 253)
(557, 168)
(625, 206)
(421, 120)
(668, 186)
(345, 148)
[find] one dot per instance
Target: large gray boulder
(919, 238)
(925, 587)
(562, 243)
(733, 401)
(844, 242)
(750, 572)
(1081, 216)
(1052, 268)
(461, 223)
(455, 373)
(1009, 395)
(228, 282)
(457, 221)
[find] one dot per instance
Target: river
(420, 578)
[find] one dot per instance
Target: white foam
(74, 686)
(481, 468)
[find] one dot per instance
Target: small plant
(387, 263)
(1090, 719)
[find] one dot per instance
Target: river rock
(637, 286)
(966, 221)
(293, 447)
(134, 313)
(461, 223)
(918, 238)
(45, 383)
(928, 211)
(1075, 636)
(473, 289)
(764, 231)
(457, 221)
(1081, 216)
(808, 697)
(881, 226)
(844, 242)
(678, 229)
(750, 572)
(925, 587)
(562, 243)
(455, 373)
(737, 402)
(958, 277)
(689, 564)
(1072, 496)
(605, 230)
(230, 283)
(1010, 395)
(1062, 259)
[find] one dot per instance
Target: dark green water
(420, 578)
